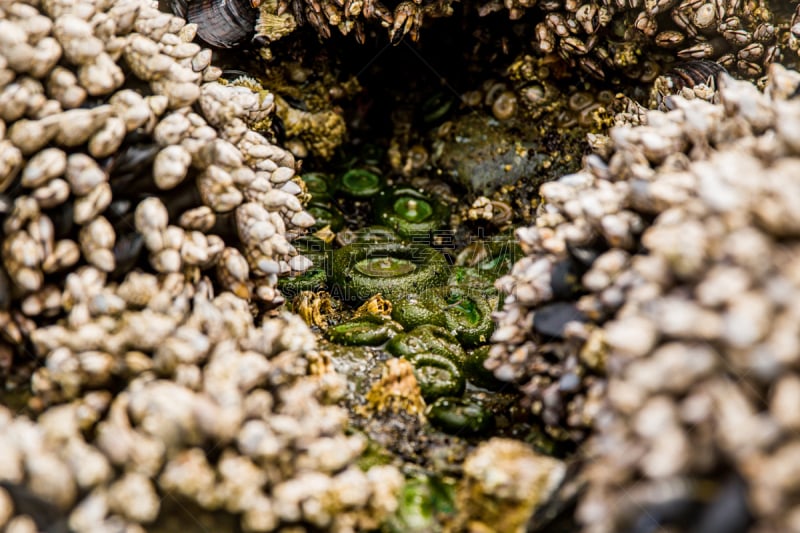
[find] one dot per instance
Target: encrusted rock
(504, 483)
(207, 404)
(152, 138)
(679, 263)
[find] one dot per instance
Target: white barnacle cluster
(216, 411)
(96, 106)
(141, 220)
(688, 236)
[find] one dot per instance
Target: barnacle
(397, 390)
(603, 40)
(315, 307)
(271, 24)
(377, 306)
(350, 16)
(322, 132)
(306, 117)
(529, 479)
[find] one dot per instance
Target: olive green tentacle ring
(359, 183)
(410, 212)
(391, 269)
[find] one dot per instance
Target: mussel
(691, 73)
(687, 75)
(220, 23)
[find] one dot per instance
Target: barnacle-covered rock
(404, 18)
(504, 483)
(174, 345)
(638, 39)
(304, 100)
(518, 132)
(397, 391)
(670, 255)
(229, 23)
(321, 132)
(141, 217)
(76, 172)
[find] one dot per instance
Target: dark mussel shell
(220, 23)
(693, 73)
(176, 7)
